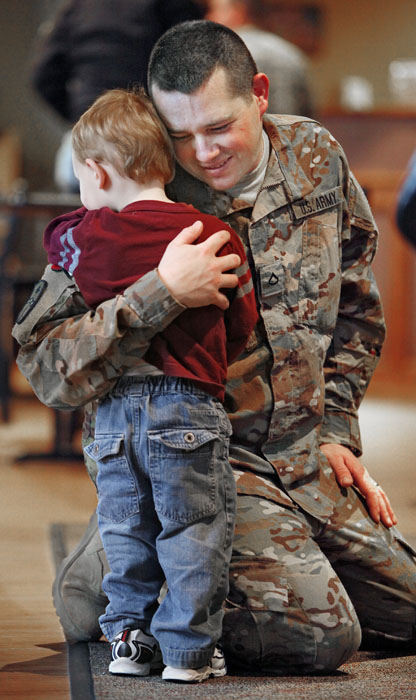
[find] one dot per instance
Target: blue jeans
(166, 509)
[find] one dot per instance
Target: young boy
(166, 494)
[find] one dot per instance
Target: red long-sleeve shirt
(106, 251)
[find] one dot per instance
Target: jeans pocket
(182, 465)
(117, 490)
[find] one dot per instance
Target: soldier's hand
(348, 471)
(194, 274)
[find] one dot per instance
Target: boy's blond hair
(122, 128)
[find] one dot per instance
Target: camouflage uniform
(310, 568)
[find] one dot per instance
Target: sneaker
(134, 653)
(215, 668)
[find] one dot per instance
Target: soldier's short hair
(122, 128)
(188, 53)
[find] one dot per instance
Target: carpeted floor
(367, 676)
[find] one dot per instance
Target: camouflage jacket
(311, 238)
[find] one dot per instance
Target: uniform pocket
(117, 490)
(183, 466)
(279, 282)
(302, 282)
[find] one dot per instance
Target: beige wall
(361, 37)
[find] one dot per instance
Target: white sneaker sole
(192, 675)
(127, 667)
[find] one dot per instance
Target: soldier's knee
(335, 646)
(265, 641)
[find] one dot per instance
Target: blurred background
(341, 39)
(352, 66)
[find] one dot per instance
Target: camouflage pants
(301, 592)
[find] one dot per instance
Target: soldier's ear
(261, 91)
(100, 173)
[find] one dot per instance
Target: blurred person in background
(285, 65)
(406, 205)
(93, 46)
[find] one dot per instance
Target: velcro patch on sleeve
(37, 292)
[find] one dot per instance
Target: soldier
(316, 565)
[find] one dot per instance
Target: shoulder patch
(37, 292)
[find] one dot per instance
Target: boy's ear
(99, 171)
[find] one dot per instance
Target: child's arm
(55, 235)
(241, 316)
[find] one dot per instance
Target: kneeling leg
(287, 611)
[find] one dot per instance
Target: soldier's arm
(71, 354)
(354, 353)
(360, 329)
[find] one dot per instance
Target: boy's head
(123, 130)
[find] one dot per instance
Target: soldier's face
(216, 138)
